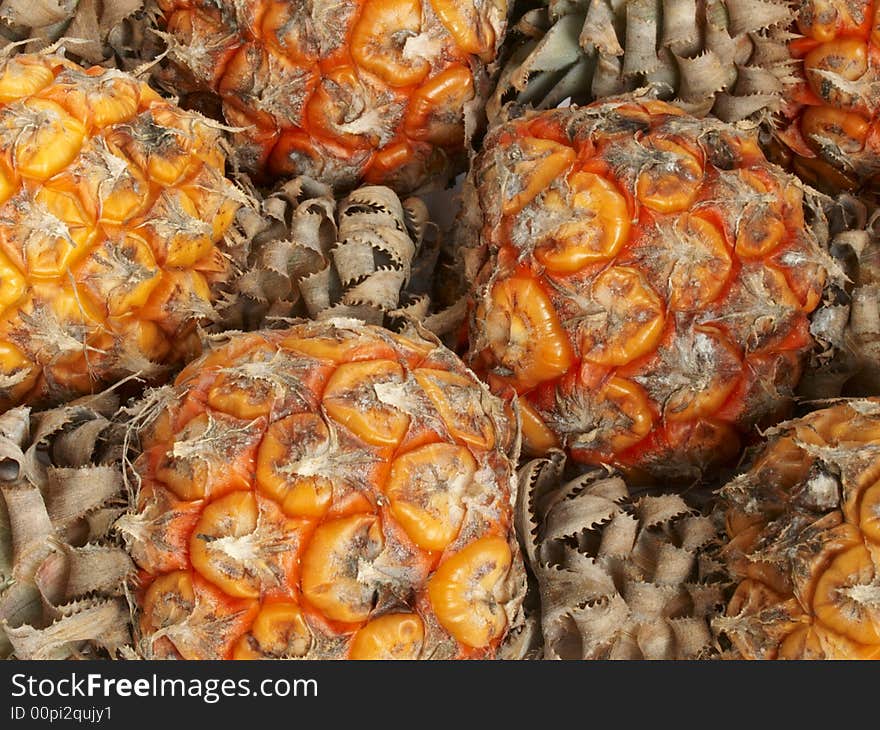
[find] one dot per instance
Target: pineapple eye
(392, 636)
(436, 109)
(280, 630)
(626, 320)
(43, 137)
(537, 163)
(289, 465)
(350, 398)
(466, 591)
(848, 131)
(426, 487)
(847, 59)
(331, 566)
(459, 406)
(524, 333)
(599, 224)
(467, 23)
(670, 178)
(378, 41)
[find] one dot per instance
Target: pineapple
(113, 212)
(383, 91)
(648, 284)
(331, 490)
(831, 135)
(724, 57)
(62, 576)
(803, 542)
(619, 576)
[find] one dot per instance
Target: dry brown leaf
(618, 577)
(370, 256)
(62, 576)
(725, 57)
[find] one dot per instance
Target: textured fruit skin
(648, 283)
(803, 542)
(285, 510)
(834, 133)
(371, 90)
(113, 210)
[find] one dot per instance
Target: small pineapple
(331, 490)
(803, 540)
(648, 284)
(381, 91)
(113, 214)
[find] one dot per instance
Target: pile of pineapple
(458, 329)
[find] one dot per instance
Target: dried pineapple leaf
(103, 622)
(725, 57)
(749, 16)
(93, 21)
(72, 493)
(91, 568)
(640, 56)
(581, 512)
(615, 572)
(619, 535)
(654, 510)
(369, 255)
(77, 447)
(91, 28)
(51, 503)
(36, 13)
(30, 527)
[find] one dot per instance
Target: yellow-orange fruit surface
(113, 210)
(834, 129)
(803, 529)
(329, 491)
(374, 90)
(648, 284)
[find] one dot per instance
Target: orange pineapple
(375, 90)
(834, 135)
(113, 209)
(649, 283)
(803, 527)
(331, 490)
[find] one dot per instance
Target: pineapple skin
(802, 541)
(113, 212)
(376, 91)
(647, 283)
(830, 136)
(332, 490)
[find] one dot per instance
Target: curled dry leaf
(846, 327)
(619, 577)
(62, 576)
(727, 58)
(371, 256)
(95, 31)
